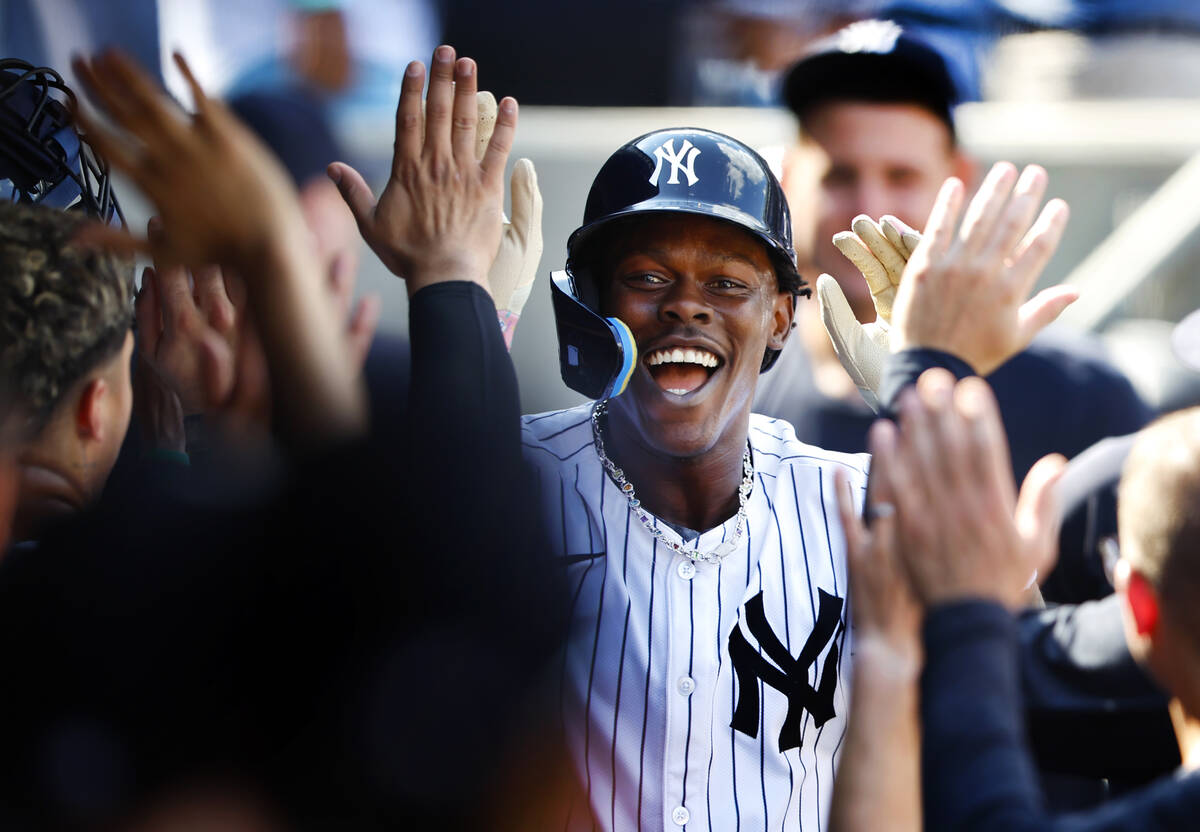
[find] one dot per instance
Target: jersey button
(686, 570)
(681, 816)
(686, 685)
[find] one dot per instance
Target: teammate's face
(863, 158)
(701, 298)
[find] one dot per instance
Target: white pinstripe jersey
(666, 657)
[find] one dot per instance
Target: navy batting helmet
(42, 157)
(682, 170)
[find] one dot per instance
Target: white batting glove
(510, 280)
(880, 252)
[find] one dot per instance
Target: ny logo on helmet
(684, 161)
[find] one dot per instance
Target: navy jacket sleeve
(977, 770)
(905, 367)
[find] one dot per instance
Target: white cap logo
(877, 36)
(683, 161)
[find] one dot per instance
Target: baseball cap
(872, 60)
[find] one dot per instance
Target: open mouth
(681, 370)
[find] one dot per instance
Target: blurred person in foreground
(875, 106)
(162, 645)
(935, 592)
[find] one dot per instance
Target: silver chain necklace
(618, 477)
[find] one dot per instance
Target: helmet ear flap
(596, 355)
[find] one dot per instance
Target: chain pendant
(635, 505)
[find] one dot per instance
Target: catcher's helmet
(682, 170)
(42, 157)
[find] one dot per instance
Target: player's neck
(699, 492)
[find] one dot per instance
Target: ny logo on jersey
(684, 161)
(787, 675)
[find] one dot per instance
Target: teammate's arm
(878, 781)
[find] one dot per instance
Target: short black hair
(64, 309)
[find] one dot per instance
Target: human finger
(465, 118)
(988, 444)
(985, 207)
(145, 109)
(361, 331)
(201, 103)
(117, 152)
(410, 119)
(1038, 513)
(903, 236)
(1043, 309)
(149, 316)
(217, 368)
(879, 245)
(1013, 222)
(854, 250)
(943, 219)
(439, 102)
(175, 297)
(1038, 246)
(211, 298)
(103, 89)
(892, 496)
(356, 193)
(496, 155)
(486, 103)
(919, 442)
(947, 442)
(526, 200)
(97, 235)
(341, 282)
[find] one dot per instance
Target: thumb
(355, 192)
(527, 205)
(1038, 513)
(836, 313)
(1043, 309)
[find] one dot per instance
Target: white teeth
(681, 356)
(678, 391)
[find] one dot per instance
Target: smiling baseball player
(705, 676)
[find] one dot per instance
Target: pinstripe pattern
(645, 744)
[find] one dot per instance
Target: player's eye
(726, 284)
(644, 279)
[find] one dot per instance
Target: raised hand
(880, 253)
(963, 531)
(964, 289)
(440, 215)
(223, 199)
(222, 196)
(177, 324)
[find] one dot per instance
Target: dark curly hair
(64, 309)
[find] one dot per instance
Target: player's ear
(1143, 604)
(1140, 599)
(89, 410)
(782, 316)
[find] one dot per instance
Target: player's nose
(685, 302)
